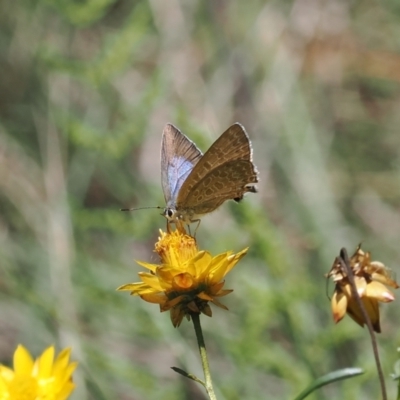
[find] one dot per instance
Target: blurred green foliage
(85, 90)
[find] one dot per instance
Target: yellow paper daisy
(43, 379)
(187, 279)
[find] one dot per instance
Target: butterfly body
(195, 184)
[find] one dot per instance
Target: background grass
(86, 88)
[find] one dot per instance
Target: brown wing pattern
(178, 157)
(232, 145)
(228, 181)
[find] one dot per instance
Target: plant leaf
(334, 376)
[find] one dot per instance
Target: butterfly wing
(220, 167)
(228, 181)
(178, 157)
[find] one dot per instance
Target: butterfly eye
(170, 213)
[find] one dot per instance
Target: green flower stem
(203, 355)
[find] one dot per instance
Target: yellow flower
(370, 278)
(42, 379)
(186, 280)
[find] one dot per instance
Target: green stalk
(203, 355)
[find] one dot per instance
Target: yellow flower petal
(235, 258)
(131, 286)
(372, 309)
(339, 305)
(45, 363)
(151, 280)
(220, 305)
(151, 267)
(378, 291)
(219, 266)
(23, 362)
(224, 292)
(7, 374)
(205, 296)
(156, 298)
(202, 264)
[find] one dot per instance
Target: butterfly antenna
(140, 208)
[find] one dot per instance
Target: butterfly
(195, 184)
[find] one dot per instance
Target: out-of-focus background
(86, 88)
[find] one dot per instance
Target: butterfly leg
(197, 227)
(169, 230)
